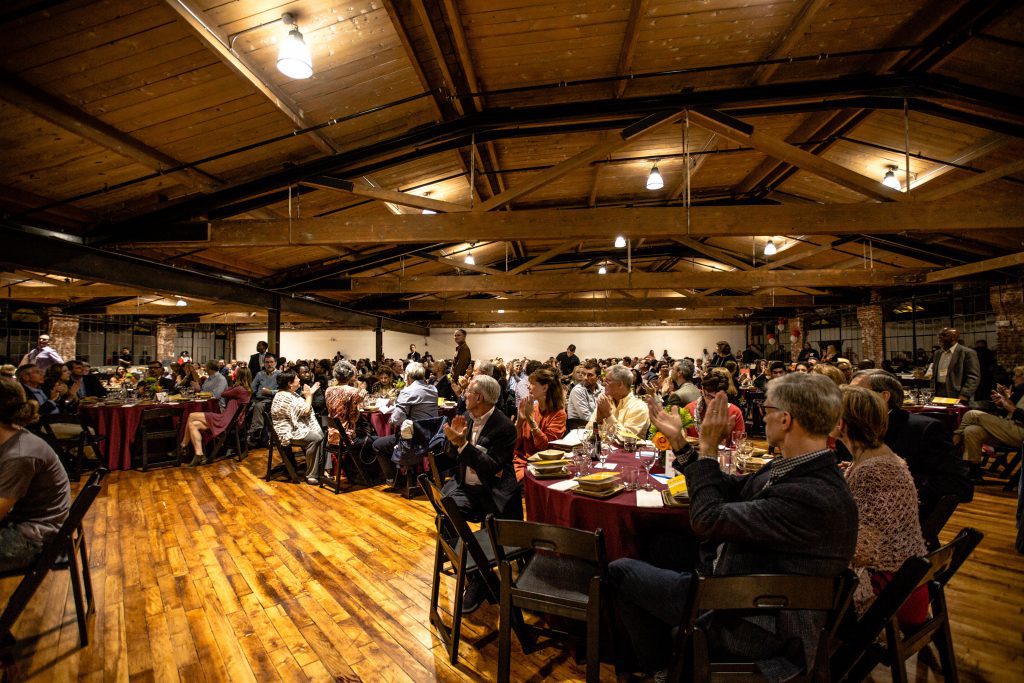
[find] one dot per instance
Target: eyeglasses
(768, 407)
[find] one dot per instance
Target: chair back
(937, 518)
(158, 421)
(453, 524)
(447, 532)
(576, 543)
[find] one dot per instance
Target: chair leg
(505, 627)
(270, 463)
(897, 663)
(593, 641)
(86, 575)
(76, 589)
(239, 456)
(456, 632)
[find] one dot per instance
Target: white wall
(510, 342)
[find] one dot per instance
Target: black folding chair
(861, 650)
(235, 431)
(289, 465)
(936, 520)
(71, 448)
(66, 550)
(157, 435)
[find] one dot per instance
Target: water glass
(739, 438)
(725, 460)
(629, 444)
(631, 475)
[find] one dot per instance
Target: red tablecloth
(629, 531)
(951, 415)
(119, 424)
(381, 422)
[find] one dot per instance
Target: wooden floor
(214, 574)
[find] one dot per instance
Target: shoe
(473, 596)
(197, 461)
(312, 481)
(389, 482)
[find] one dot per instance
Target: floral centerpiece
(661, 441)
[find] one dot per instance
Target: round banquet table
(382, 423)
(951, 415)
(629, 531)
(119, 424)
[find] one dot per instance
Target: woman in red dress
(236, 399)
(541, 417)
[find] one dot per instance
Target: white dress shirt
(472, 477)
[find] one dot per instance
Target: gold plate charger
(614, 491)
(561, 473)
(674, 502)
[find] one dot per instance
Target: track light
(654, 181)
(620, 242)
(890, 179)
(293, 58)
(769, 249)
(501, 310)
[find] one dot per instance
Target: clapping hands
(455, 432)
(666, 423)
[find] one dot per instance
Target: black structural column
(379, 337)
(274, 325)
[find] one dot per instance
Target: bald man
(955, 368)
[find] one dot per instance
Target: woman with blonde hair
(541, 419)
(888, 530)
(830, 371)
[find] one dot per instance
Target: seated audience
(540, 420)
(385, 384)
(482, 442)
(686, 391)
(888, 530)
(619, 405)
(832, 372)
(8, 370)
(84, 383)
(264, 386)
(215, 383)
(343, 400)
(713, 383)
(58, 375)
(922, 442)
(31, 378)
(35, 495)
(794, 516)
(233, 400)
(583, 397)
(417, 401)
(294, 422)
(523, 384)
(188, 377)
(978, 428)
(156, 378)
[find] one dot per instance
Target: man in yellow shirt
(626, 410)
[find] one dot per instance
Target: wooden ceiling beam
(714, 252)
(606, 224)
(389, 196)
(1007, 261)
(625, 64)
(191, 14)
(788, 39)
(63, 115)
(562, 303)
(461, 265)
(1001, 171)
(626, 136)
(595, 317)
(544, 257)
(964, 156)
(67, 292)
(745, 134)
(588, 282)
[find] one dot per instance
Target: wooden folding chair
(158, 426)
(289, 465)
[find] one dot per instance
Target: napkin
(649, 499)
(564, 485)
(606, 465)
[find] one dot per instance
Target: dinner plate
(550, 454)
(560, 473)
(544, 465)
(614, 491)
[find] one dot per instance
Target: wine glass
(739, 437)
(647, 459)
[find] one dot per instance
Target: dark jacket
(962, 377)
(926, 446)
(93, 387)
(491, 458)
(254, 363)
(805, 523)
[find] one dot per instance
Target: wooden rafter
(390, 196)
(563, 303)
(544, 257)
(788, 39)
(596, 317)
(625, 64)
(975, 268)
(1001, 171)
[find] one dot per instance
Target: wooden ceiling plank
(609, 317)
(1007, 261)
(625, 64)
(583, 158)
(191, 14)
(543, 257)
(389, 196)
(461, 265)
(789, 39)
(1001, 171)
(61, 114)
(745, 134)
(587, 282)
(964, 156)
(713, 252)
(575, 304)
(598, 224)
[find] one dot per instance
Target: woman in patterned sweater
(888, 530)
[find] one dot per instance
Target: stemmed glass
(647, 459)
(738, 439)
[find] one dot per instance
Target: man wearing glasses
(794, 516)
(620, 405)
(264, 386)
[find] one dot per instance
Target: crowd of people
(855, 478)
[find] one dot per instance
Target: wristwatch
(685, 455)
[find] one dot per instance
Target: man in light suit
(486, 480)
(955, 368)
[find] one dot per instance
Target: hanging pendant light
(654, 180)
(602, 270)
(769, 249)
(293, 58)
(180, 302)
(620, 242)
(890, 179)
(470, 260)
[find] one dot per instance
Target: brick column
(872, 333)
(1008, 303)
(63, 331)
(166, 335)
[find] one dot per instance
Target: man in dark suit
(794, 516)
(83, 383)
(955, 369)
(486, 480)
(256, 359)
(923, 442)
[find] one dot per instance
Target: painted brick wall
(872, 331)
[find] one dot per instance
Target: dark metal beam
(32, 250)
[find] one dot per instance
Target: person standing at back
(463, 356)
(955, 368)
(568, 360)
(256, 359)
(43, 355)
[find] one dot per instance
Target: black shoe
(473, 595)
(976, 474)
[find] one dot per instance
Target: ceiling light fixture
(620, 242)
(602, 270)
(293, 58)
(470, 260)
(501, 310)
(654, 180)
(769, 249)
(180, 302)
(890, 179)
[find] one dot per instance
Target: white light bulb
(769, 249)
(890, 180)
(620, 242)
(654, 181)
(501, 310)
(181, 302)
(428, 212)
(293, 58)
(602, 271)
(470, 260)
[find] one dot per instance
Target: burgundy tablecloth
(949, 414)
(381, 422)
(119, 424)
(629, 531)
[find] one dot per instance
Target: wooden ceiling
(161, 132)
